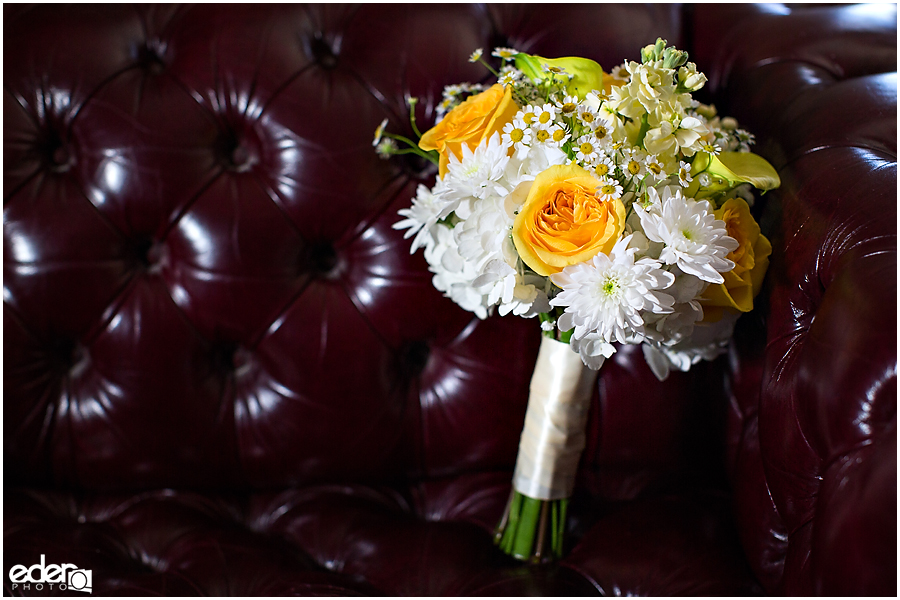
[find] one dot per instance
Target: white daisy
(604, 129)
(558, 135)
(694, 239)
(587, 115)
(568, 106)
(505, 53)
(528, 115)
(604, 165)
(607, 294)
(517, 134)
(545, 115)
(609, 189)
(684, 174)
(586, 148)
(476, 56)
(655, 168)
(634, 163)
(379, 131)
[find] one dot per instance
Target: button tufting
(322, 52)
(150, 254)
(414, 357)
(149, 56)
(229, 358)
(324, 261)
(237, 153)
(56, 152)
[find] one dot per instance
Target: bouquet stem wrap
(554, 433)
(552, 440)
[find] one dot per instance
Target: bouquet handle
(550, 447)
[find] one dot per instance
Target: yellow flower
(562, 222)
(469, 123)
(586, 74)
(751, 259)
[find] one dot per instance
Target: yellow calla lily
(744, 167)
(587, 74)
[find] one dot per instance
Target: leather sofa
(225, 374)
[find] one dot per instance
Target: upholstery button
(150, 56)
(236, 153)
(323, 53)
(414, 357)
(57, 153)
(229, 358)
(324, 260)
(150, 254)
(242, 159)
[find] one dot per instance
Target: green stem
(529, 520)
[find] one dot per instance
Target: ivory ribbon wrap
(554, 432)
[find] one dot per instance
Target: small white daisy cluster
(640, 137)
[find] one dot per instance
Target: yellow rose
(562, 222)
(476, 119)
(751, 259)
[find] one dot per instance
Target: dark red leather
(225, 374)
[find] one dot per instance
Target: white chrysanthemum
(593, 350)
(607, 294)
(708, 341)
(483, 243)
(428, 207)
(539, 158)
(478, 172)
(694, 239)
(453, 275)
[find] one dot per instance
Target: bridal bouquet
(612, 206)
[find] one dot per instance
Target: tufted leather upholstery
(225, 374)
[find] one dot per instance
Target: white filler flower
(694, 239)
(604, 297)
